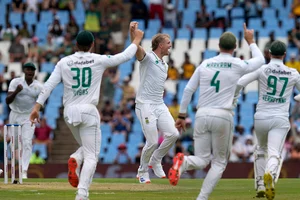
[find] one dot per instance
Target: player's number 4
(83, 77)
(214, 82)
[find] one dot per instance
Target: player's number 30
(83, 77)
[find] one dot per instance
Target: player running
(271, 120)
(81, 74)
(217, 78)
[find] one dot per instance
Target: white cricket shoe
(143, 177)
(24, 175)
(81, 197)
(261, 191)
(158, 170)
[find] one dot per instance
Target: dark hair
(84, 48)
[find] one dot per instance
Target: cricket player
(217, 78)
(150, 109)
(81, 74)
(271, 120)
(21, 97)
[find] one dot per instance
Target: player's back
(218, 77)
(276, 83)
(81, 76)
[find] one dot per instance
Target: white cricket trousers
(88, 136)
(153, 117)
(212, 142)
(271, 134)
(27, 135)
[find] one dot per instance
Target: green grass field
(130, 189)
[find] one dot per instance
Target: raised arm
(257, 59)
(140, 53)
(127, 54)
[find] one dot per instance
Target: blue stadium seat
(221, 12)
(105, 128)
(264, 32)
(237, 23)
(150, 32)
(170, 32)
(193, 5)
(291, 51)
(209, 54)
(181, 86)
(280, 33)
(288, 23)
(183, 33)
(118, 95)
(46, 17)
(269, 13)
(271, 23)
(252, 97)
(215, 32)
(154, 24)
(63, 16)
(30, 18)
(15, 18)
(200, 33)
(237, 12)
(226, 2)
(276, 4)
(1, 68)
(79, 17)
(255, 23)
(47, 67)
(236, 32)
(117, 139)
(189, 18)
(211, 3)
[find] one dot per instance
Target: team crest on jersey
(147, 120)
(70, 63)
(108, 56)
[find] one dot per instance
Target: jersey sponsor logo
(70, 63)
(84, 62)
(271, 99)
(219, 65)
(279, 72)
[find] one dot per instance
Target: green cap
(85, 38)
(227, 41)
(277, 48)
(29, 65)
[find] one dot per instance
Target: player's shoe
(269, 184)
(158, 170)
(260, 192)
(24, 175)
(73, 174)
(174, 172)
(81, 197)
(143, 177)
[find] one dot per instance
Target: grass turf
(130, 189)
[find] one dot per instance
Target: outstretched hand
(248, 34)
(34, 117)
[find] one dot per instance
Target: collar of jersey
(225, 54)
(275, 60)
(157, 59)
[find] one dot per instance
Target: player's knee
(220, 164)
(151, 146)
